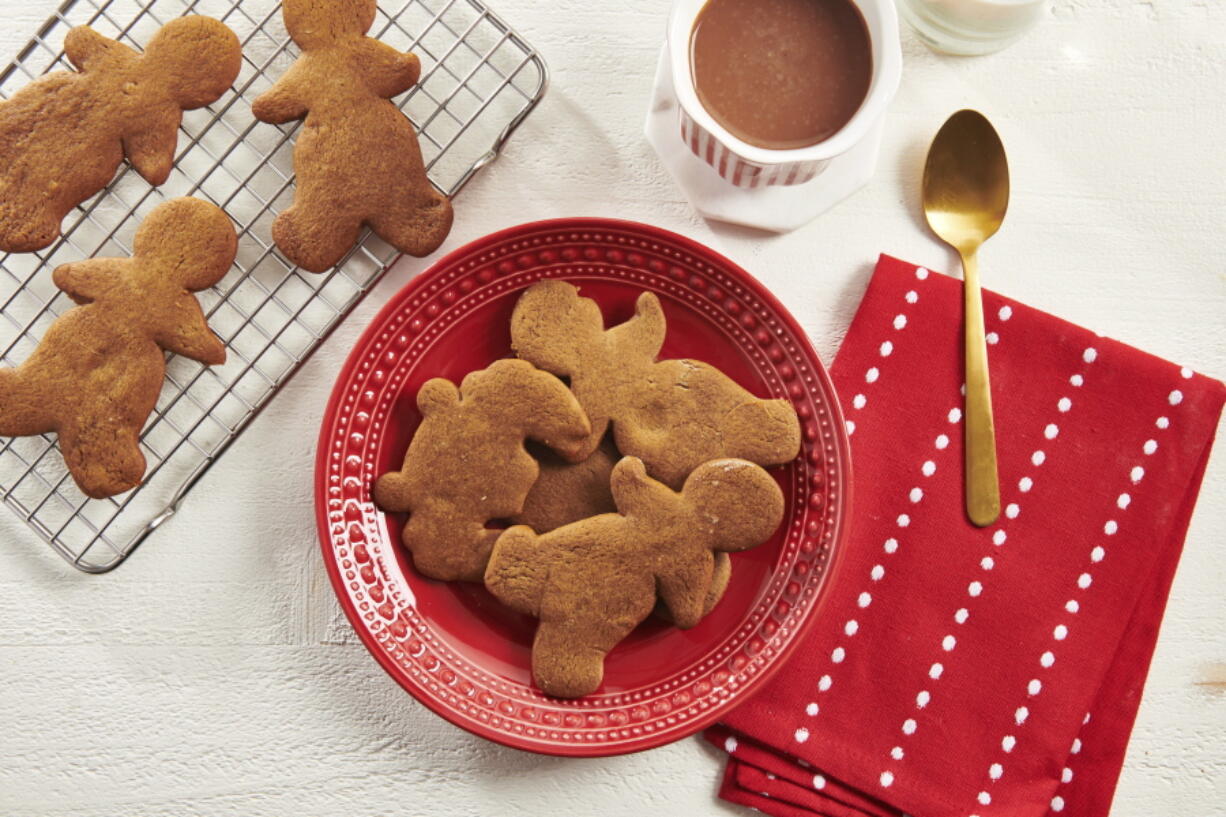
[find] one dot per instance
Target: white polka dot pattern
(1084, 581)
(860, 402)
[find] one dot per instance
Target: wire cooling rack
(479, 81)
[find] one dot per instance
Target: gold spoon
(966, 193)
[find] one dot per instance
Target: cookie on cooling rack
(63, 136)
(357, 160)
(96, 375)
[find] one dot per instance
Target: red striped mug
(746, 165)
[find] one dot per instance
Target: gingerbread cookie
(592, 582)
(63, 136)
(672, 414)
(97, 373)
(566, 492)
(467, 464)
(357, 159)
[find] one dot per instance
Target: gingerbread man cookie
(467, 465)
(592, 582)
(672, 414)
(97, 373)
(357, 159)
(63, 136)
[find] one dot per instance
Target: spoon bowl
(966, 181)
(966, 194)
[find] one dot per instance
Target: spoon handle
(982, 484)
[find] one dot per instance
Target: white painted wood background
(214, 673)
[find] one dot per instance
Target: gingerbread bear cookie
(592, 582)
(357, 159)
(63, 136)
(467, 465)
(97, 373)
(672, 414)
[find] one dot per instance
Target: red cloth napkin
(996, 671)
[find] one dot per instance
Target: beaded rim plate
(452, 645)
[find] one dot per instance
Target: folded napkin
(963, 671)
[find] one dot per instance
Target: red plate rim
(833, 534)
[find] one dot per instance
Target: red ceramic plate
(452, 645)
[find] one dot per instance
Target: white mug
(746, 165)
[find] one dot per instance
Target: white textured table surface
(214, 672)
